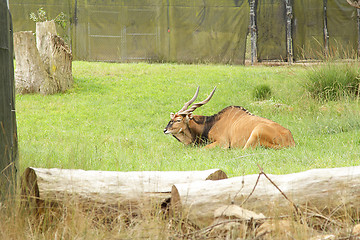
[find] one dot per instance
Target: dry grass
(75, 220)
(72, 223)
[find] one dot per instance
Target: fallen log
(322, 190)
(107, 188)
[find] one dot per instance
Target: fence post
(253, 4)
(289, 43)
(326, 32)
(358, 25)
(8, 134)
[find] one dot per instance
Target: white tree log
(321, 189)
(125, 189)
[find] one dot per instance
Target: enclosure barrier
(201, 31)
(8, 135)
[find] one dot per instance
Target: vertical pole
(168, 30)
(76, 13)
(326, 32)
(289, 44)
(8, 131)
(253, 31)
(73, 25)
(358, 25)
(123, 44)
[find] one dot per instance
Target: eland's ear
(172, 115)
(189, 116)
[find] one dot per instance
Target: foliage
(333, 81)
(41, 16)
(262, 92)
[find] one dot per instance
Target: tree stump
(30, 73)
(44, 67)
(55, 54)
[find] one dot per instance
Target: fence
(200, 30)
(8, 136)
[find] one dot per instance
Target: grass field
(113, 119)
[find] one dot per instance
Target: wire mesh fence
(195, 31)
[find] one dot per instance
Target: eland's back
(236, 127)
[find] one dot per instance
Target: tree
(354, 3)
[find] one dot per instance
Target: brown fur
(233, 127)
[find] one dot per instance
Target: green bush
(333, 81)
(262, 92)
(41, 16)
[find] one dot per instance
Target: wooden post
(289, 44)
(253, 4)
(8, 132)
(326, 32)
(358, 25)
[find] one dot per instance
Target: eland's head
(178, 125)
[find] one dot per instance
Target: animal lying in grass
(232, 127)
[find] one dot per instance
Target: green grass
(333, 80)
(262, 92)
(113, 119)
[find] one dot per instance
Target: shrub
(41, 16)
(333, 81)
(262, 92)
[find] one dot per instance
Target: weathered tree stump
(30, 72)
(55, 54)
(50, 53)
